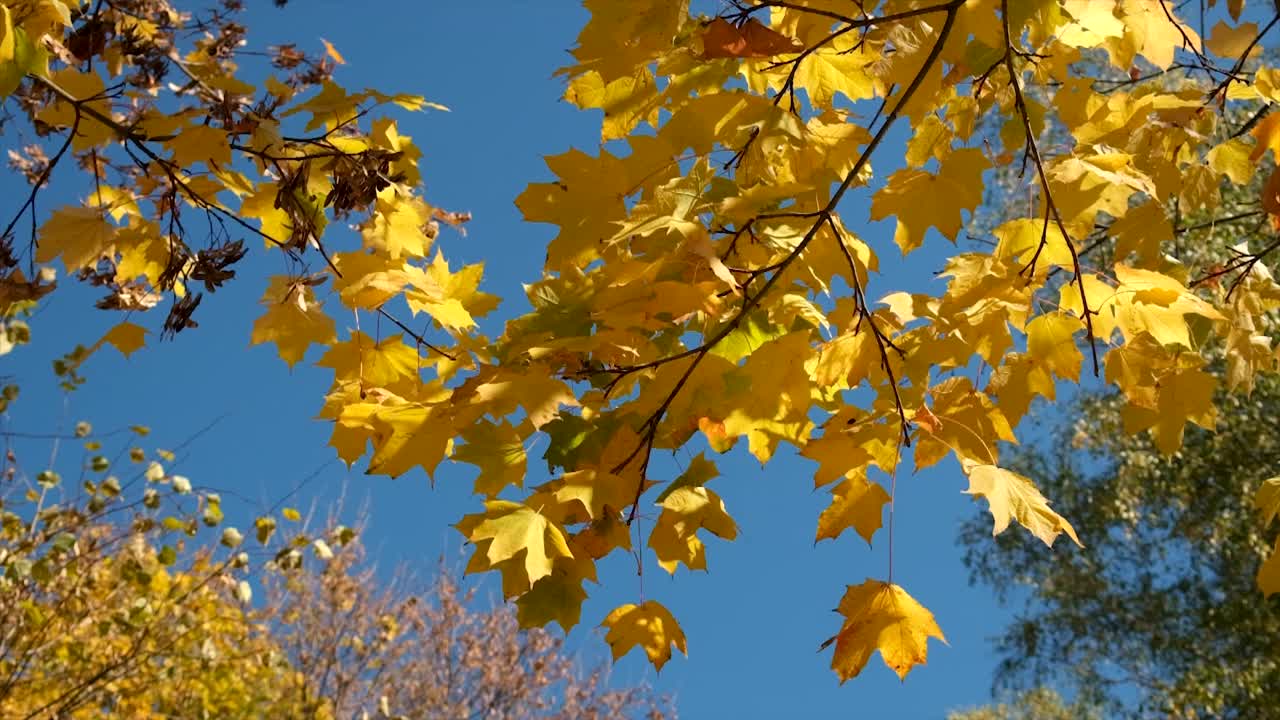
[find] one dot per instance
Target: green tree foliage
(1157, 616)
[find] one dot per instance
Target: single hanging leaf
(649, 626)
(1014, 497)
(200, 144)
(881, 616)
(855, 503)
(126, 337)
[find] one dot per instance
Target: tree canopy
(708, 286)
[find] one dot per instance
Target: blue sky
(756, 620)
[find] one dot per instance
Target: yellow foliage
(710, 277)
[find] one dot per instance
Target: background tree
(364, 641)
(123, 598)
(1155, 619)
(1035, 704)
(113, 600)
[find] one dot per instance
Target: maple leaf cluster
(707, 285)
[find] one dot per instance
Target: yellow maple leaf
(650, 626)
(200, 144)
(1267, 499)
(1230, 41)
(90, 132)
(685, 511)
(957, 186)
(1181, 395)
(1092, 21)
(1020, 239)
(294, 319)
(126, 337)
(499, 453)
(585, 202)
(1231, 158)
(1050, 341)
(1143, 302)
(408, 436)
(368, 280)
(15, 50)
(397, 225)
(515, 528)
(142, 252)
(971, 425)
(727, 118)
(848, 444)
(555, 598)
(452, 299)
(1014, 497)
(330, 107)
(80, 235)
(1143, 230)
(847, 360)
(602, 536)
(931, 138)
(1017, 382)
(385, 363)
(584, 495)
(1267, 134)
(515, 580)
(837, 68)
(648, 26)
(540, 397)
(626, 101)
(881, 616)
(1151, 30)
(855, 503)
(768, 418)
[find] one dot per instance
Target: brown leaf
(723, 39)
(1271, 194)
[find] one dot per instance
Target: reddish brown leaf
(723, 39)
